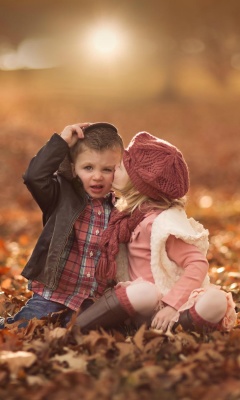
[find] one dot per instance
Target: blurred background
(170, 67)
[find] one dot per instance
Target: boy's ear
(73, 170)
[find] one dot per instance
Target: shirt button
(88, 275)
(97, 232)
(91, 253)
(99, 212)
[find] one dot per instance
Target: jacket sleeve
(40, 177)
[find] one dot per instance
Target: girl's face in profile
(121, 177)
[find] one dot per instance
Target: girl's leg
(143, 297)
(117, 305)
(212, 306)
(207, 313)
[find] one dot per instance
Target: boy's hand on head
(71, 133)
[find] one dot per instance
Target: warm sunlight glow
(106, 41)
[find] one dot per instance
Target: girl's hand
(72, 133)
(163, 318)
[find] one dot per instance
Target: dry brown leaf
(96, 341)
(215, 356)
(38, 380)
(71, 360)
(38, 346)
(57, 333)
(17, 360)
(185, 369)
(28, 332)
(187, 340)
(6, 283)
(9, 340)
(125, 350)
(145, 375)
(228, 388)
(138, 338)
(153, 345)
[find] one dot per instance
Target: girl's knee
(212, 305)
(143, 297)
(214, 297)
(143, 290)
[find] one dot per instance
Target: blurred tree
(167, 34)
(206, 30)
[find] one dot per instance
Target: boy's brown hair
(99, 136)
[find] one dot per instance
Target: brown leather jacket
(61, 203)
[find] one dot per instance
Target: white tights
(210, 306)
(143, 296)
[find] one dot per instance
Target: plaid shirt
(79, 258)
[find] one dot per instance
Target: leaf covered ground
(45, 361)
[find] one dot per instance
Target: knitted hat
(156, 167)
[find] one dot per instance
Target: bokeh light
(106, 41)
(31, 53)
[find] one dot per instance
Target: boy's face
(96, 170)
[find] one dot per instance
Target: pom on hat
(156, 167)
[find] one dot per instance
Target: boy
(76, 202)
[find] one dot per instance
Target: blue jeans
(38, 307)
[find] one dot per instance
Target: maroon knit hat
(156, 167)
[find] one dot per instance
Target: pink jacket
(168, 249)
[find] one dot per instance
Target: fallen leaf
(72, 360)
(17, 360)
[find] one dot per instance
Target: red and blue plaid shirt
(79, 258)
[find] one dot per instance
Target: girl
(154, 250)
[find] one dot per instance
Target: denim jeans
(38, 307)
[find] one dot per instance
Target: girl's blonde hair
(131, 199)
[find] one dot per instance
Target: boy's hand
(72, 133)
